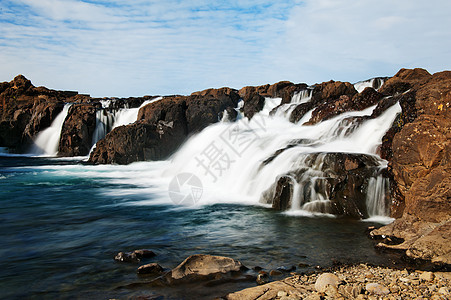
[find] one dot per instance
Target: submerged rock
(134, 256)
(150, 269)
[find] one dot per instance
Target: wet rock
(262, 278)
(151, 269)
(134, 256)
(275, 273)
(326, 279)
(377, 289)
(127, 257)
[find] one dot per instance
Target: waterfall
(47, 141)
(108, 119)
(301, 97)
(250, 155)
(375, 83)
(376, 196)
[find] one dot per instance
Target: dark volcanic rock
(150, 269)
(340, 178)
(77, 131)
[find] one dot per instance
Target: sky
(128, 48)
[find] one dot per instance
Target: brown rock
(326, 279)
(201, 267)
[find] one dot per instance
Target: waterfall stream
(47, 141)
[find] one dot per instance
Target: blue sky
(134, 48)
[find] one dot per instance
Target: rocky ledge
(354, 282)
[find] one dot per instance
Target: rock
(427, 276)
(202, 267)
(444, 291)
(377, 289)
(77, 131)
(262, 278)
(282, 294)
(153, 269)
(326, 279)
(134, 256)
(127, 257)
(144, 253)
(275, 273)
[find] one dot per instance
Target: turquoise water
(62, 222)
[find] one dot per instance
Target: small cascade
(301, 97)
(47, 141)
(376, 196)
(104, 124)
(107, 119)
(375, 83)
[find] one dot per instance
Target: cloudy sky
(134, 48)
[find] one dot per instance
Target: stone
(427, 276)
(201, 267)
(444, 291)
(281, 294)
(127, 257)
(144, 253)
(377, 289)
(325, 280)
(151, 269)
(275, 273)
(262, 278)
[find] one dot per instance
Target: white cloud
(126, 48)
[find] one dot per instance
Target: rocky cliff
(421, 167)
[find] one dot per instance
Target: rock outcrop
(420, 166)
(25, 110)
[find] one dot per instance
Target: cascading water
(251, 155)
(107, 119)
(375, 83)
(47, 141)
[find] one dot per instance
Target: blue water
(62, 222)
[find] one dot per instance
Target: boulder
(134, 256)
(201, 267)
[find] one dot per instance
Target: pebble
(427, 276)
(377, 289)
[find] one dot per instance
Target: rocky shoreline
(341, 281)
(354, 282)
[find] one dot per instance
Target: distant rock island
(417, 146)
